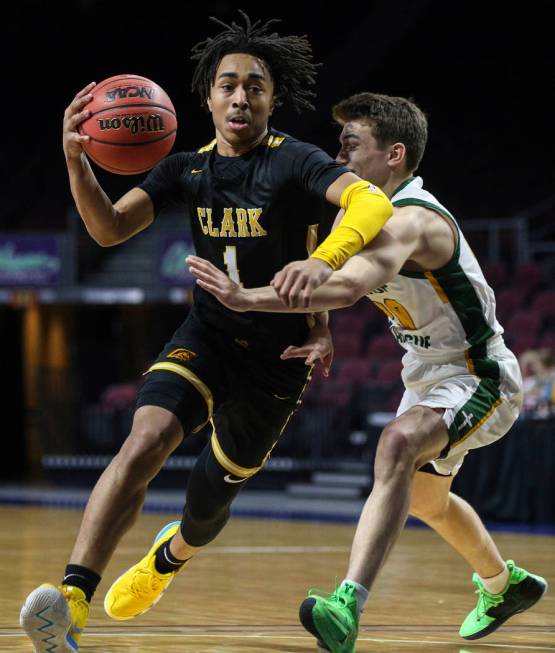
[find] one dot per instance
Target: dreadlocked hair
(287, 58)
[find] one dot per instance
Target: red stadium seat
(335, 393)
(389, 371)
(355, 369)
(508, 301)
(346, 346)
(394, 399)
(544, 303)
(348, 324)
(523, 343)
(523, 323)
(496, 274)
(383, 346)
(527, 277)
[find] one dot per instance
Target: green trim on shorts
(476, 410)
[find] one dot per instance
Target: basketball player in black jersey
(255, 197)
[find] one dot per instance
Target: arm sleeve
(367, 209)
(163, 181)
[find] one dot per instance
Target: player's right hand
(74, 115)
(217, 283)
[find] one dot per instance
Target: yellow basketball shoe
(141, 586)
(54, 618)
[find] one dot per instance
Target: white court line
(512, 646)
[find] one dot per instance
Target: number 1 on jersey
(230, 262)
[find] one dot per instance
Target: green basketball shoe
(523, 590)
(332, 619)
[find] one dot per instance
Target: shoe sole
(497, 624)
(46, 618)
(107, 610)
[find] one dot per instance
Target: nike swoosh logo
(282, 398)
(195, 172)
(228, 479)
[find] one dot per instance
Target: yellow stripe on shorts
(193, 380)
(227, 463)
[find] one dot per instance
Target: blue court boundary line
(270, 514)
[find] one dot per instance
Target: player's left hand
(318, 347)
(296, 282)
(217, 283)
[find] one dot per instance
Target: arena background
(74, 349)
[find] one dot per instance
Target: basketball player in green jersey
(255, 197)
(463, 386)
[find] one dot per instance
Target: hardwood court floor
(241, 595)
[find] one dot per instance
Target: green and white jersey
(444, 314)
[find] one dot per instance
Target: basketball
(132, 124)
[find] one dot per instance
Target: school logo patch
(182, 354)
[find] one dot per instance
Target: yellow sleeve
(367, 209)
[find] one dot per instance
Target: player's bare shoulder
(405, 224)
(435, 233)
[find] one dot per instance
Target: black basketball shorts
(245, 390)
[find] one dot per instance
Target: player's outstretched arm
(377, 264)
(108, 224)
(366, 208)
(335, 293)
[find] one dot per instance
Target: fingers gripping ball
(132, 124)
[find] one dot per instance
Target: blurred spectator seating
(383, 346)
(507, 302)
(538, 371)
(496, 274)
(544, 303)
(527, 277)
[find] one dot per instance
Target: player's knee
(202, 514)
(395, 451)
(147, 448)
(210, 493)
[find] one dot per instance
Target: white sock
(496, 584)
(361, 593)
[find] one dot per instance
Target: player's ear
(397, 153)
(209, 104)
(272, 105)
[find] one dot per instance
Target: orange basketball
(132, 124)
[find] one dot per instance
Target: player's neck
(394, 181)
(225, 148)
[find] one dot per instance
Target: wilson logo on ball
(135, 124)
(129, 91)
(131, 126)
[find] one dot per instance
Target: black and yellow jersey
(250, 215)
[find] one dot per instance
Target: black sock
(165, 561)
(83, 578)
